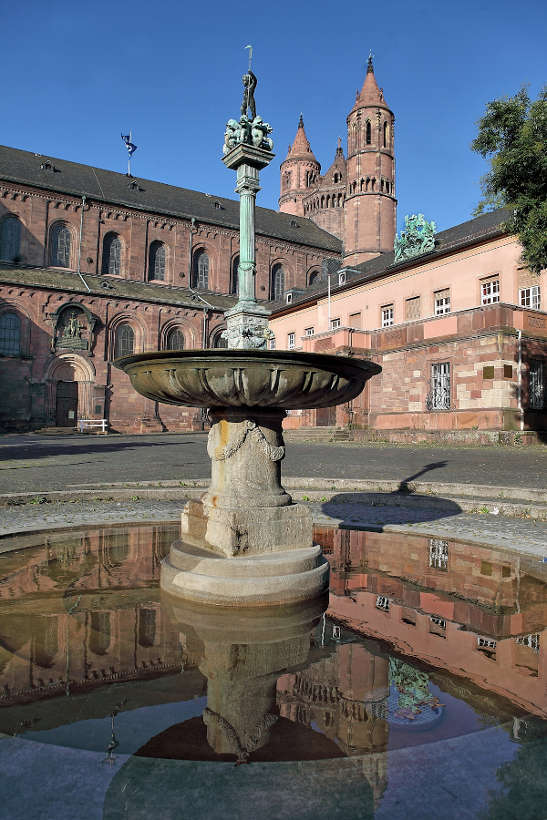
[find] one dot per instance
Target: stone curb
(479, 499)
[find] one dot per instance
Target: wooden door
(66, 404)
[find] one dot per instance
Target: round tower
(299, 172)
(370, 210)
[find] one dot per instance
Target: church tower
(370, 208)
(299, 172)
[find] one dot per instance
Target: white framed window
(387, 315)
(490, 291)
(442, 302)
(382, 602)
(438, 553)
(342, 278)
(439, 397)
(288, 298)
(530, 297)
(436, 621)
(537, 393)
(486, 643)
(531, 641)
(309, 331)
(290, 341)
(334, 323)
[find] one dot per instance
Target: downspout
(80, 244)
(519, 380)
(328, 300)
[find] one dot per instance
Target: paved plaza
(38, 463)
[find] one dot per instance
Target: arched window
(112, 254)
(156, 261)
(10, 334)
(10, 238)
(59, 248)
(314, 278)
(386, 134)
(219, 340)
(175, 339)
(99, 640)
(278, 282)
(369, 133)
(45, 638)
(200, 273)
(125, 340)
(147, 626)
(234, 281)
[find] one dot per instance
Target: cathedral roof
(370, 93)
(75, 179)
(301, 149)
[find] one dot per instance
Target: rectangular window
(531, 641)
(387, 315)
(382, 602)
(412, 308)
(309, 331)
(442, 302)
(530, 297)
(536, 399)
(272, 343)
(355, 320)
(334, 323)
(438, 553)
(439, 397)
(490, 291)
(290, 341)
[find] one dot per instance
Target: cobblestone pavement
(34, 463)
(508, 533)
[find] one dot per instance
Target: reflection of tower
(299, 173)
(370, 205)
(345, 695)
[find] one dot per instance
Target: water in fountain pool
(416, 693)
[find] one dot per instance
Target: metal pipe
(80, 244)
(206, 310)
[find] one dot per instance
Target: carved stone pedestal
(245, 542)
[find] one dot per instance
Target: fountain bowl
(286, 380)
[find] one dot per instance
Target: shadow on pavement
(33, 452)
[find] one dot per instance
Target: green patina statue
(417, 238)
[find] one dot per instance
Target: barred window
(60, 244)
(439, 398)
(156, 261)
(537, 392)
(490, 291)
(290, 341)
(442, 302)
(278, 282)
(112, 253)
(530, 297)
(200, 270)
(10, 238)
(125, 340)
(387, 315)
(10, 334)
(438, 553)
(175, 339)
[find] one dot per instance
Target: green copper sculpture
(418, 237)
(247, 149)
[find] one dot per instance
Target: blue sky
(80, 73)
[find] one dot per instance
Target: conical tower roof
(370, 93)
(300, 149)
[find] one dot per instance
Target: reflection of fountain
(246, 516)
(242, 656)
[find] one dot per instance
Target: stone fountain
(245, 543)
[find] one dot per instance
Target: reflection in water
(424, 640)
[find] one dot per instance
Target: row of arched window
(367, 184)
(359, 138)
(325, 201)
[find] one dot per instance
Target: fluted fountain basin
(286, 380)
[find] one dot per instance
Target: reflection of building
(455, 606)
(109, 627)
(344, 697)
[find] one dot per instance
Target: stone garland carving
(251, 428)
(242, 749)
(417, 238)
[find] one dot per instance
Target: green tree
(513, 134)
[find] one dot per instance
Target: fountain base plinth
(195, 573)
